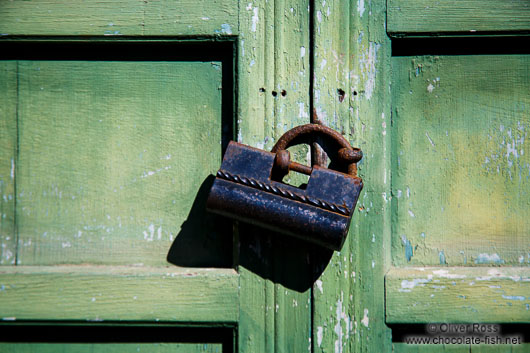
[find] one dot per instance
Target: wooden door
(460, 177)
(436, 95)
(103, 110)
(114, 118)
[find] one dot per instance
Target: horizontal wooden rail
(416, 17)
(101, 293)
(119, 18)
(458, 294)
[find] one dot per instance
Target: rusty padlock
(248, 187)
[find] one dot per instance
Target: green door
(436, 94)
(114, 117)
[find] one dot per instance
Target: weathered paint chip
(365, 321)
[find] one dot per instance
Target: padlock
(248, 187)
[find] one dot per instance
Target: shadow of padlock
(248, 187)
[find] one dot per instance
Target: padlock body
(320, 213)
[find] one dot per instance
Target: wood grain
(8, 160)
(273, 96)
(406, 17)
(461, 186)
(118, 18)
(118, 293)
(457, 294)
(352, 55)
(108, 163)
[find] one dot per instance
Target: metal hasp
(248, 187)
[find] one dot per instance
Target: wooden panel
(461, 186)
(457, 16)
(455, 294)
(100, 293)
(274, 76)
(108, 165)
(8, 147)
(115, 18)
(110, 347)
(351, 82)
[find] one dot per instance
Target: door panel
(461, 187)
(108, 167)
(103, 156)
(460, 169)
(461, 160)
(92, 276)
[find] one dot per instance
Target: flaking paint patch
(446, 274)
(149, 236)
(255, 19)
(430, 139)
(408, 247)
(365, 321)
(407, 286)
(338, 326)
(367, 63)
(496, 273)
(485, 258)
(360, 7)
(513, 297)
(226, 29)
(302, 113)
(319, 285)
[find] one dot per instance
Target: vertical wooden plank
(273, 97)
(8, 159)
(351, 86)
(256, 331)
(109, 166)
(334, 316)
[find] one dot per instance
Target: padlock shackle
(345, 155)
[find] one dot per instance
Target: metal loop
(343, 153)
